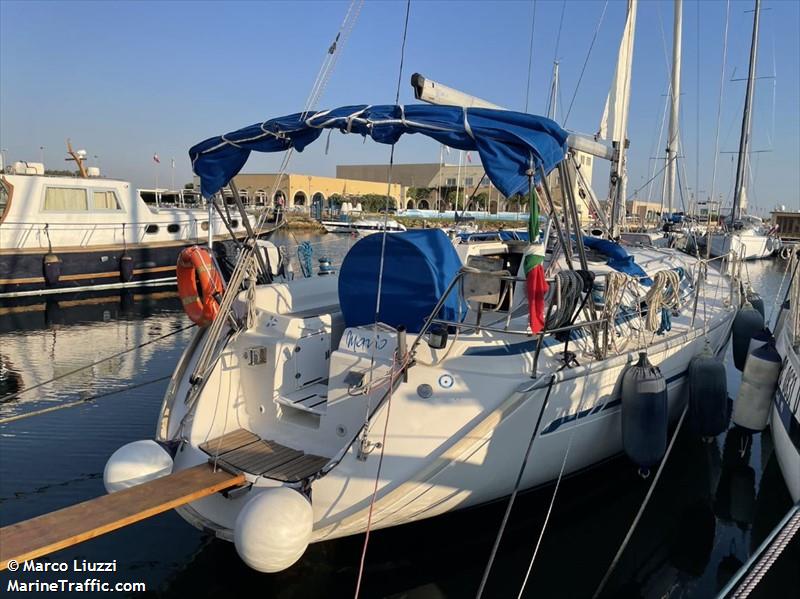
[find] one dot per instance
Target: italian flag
(533, 261)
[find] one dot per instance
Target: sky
(125, 80)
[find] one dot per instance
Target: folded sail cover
(418, 266)
(506, 141)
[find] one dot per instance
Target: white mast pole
(552, 108)
(439, 188)
(458, 180)
(675, 94)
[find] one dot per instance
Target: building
(442, 180)
(788, 224)
(301, 191)
(643, 212)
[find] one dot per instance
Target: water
(711, 509)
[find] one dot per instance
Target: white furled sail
(614, 123)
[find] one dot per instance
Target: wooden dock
(72, 525)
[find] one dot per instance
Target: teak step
(72, 525)
(243, 451)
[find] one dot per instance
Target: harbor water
(713, 506)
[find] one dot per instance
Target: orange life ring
(195, 265)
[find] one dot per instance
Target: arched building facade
(299, 192)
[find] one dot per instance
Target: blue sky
(127, 79)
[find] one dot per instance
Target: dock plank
(72, 525)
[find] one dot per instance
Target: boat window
(173, 228)
(65, 199)
(204, 225)
(106, 200)
(3, 199)
(234, 223)
(151, 229)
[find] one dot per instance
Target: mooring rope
(646, 500)
(80, 402)
(564, 297)
(770, 556)
(7, 398)
(663, 296)
(513, 496)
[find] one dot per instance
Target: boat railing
(135, 232)
(689, 299)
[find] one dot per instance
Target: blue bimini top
(508, 142)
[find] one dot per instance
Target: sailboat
(746, 234)
(410, 383)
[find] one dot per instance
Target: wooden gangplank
(72, 525)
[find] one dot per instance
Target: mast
(551, 107)
(674, 114)
(739, 197)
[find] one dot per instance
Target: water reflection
(736, 492)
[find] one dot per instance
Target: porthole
(234, 224)
(173, 228)
(151, 229)
(204, 225)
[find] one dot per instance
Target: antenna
(78, 157)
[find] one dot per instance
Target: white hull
(785, 423)
(747, 246)
(459, 447)
(366, 227)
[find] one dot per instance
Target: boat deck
(244, 451)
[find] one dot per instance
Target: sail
(508, 142)
(615, 115)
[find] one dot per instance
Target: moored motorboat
(362, 226)
(62, 234)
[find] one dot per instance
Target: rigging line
(560, 23)
(642, 507)
(391, 165)
(326, 68)
(514, 492)
(646, 183)
(660, 137)
(553, 498)
(585, 63)
(719, 102)
(80, 402)
(697, 115)
(375, 324)
(375, 488)
(7, 398)
(530, 57)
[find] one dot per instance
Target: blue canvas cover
(418, 267)
(508, 142)
(618, 258)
